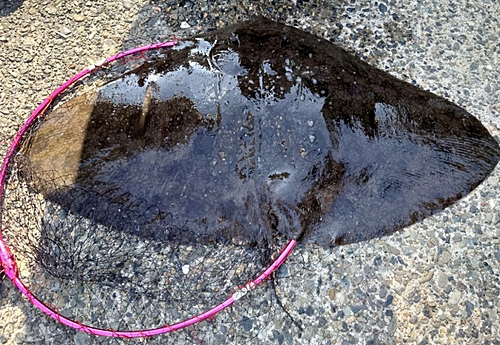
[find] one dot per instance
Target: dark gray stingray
(255, 130)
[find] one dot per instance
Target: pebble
(345, 283)
(348, 311)
(246, 323)
(469, 308)
(357, 308)
(283, 272)
(445, 257)
(50, 10)
(82, 338)
(331, 294)
(427, 277)
(78, 18)
(64, 32)
(393, 249)
(175, 313)
(489, 217)
(424, 341)
(341, 298)
(351, 319)
(127, 5)
(455, 297)
(389, 300)
(457, 238)
(442, 279)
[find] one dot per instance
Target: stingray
(257, 130)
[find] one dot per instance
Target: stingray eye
(234, 39)
(285, 41)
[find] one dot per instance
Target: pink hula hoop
(8, 262)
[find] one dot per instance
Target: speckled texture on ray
(260, 129)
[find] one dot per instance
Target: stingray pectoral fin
(419, 155)
(47, 150)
